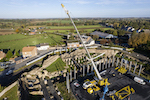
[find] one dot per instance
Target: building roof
(28, 49)
(101, 34)
(42, 44)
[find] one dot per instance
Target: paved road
(52, 90)
(23, 63)
(44, 89)
(137, 55)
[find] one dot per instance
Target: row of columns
(107, 63)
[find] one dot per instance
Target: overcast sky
(77, 8)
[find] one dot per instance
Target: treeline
(140, 41)
(118, 23)
(112, 31)
(10, 54)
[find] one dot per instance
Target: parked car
(76, 84)
(9, 72)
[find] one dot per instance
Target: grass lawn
(11, 94)
(52, 39)
(62, 88)
(58, 65)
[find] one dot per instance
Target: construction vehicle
(139, 80)
(121, 70)
(90, 86)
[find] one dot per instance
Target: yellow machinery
(102, 82)
(92, 89)
(91, 86)
(121, 70)
(124, 92)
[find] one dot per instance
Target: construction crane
(67, 12)
(101, 80)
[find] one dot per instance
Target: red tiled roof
(28, 49)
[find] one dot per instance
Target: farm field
(65, 31)
(52, 39)
(6, 31)
(4, 38)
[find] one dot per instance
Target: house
(43, 46)
(87, 40)
(16, 60)
(73, 44)
(29, 51)
(103, 35)
(32, 33)
(2, 55)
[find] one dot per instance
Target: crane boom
(95, 68)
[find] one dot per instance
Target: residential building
(16, 60)
(43, 46)
(73, 44)
(87, 40)
(29, 51)
(103, 35)
(32, 33)
(2, 55)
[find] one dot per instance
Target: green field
(11, 37)
(71, 27)
(58, 21)
(23, 41)
(58, 65)
(66, 31)
(11, 94)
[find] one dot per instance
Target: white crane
(91, 59)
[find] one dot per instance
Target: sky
(77, 8)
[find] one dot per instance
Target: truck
(139, 80)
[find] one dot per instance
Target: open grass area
(71, 27)
(11, 37)
(58, 65)
(62, 88)
(83, 29)
(11, 94)
(52, 39)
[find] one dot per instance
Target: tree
(9, 54)
(17, 31)
(115, 32)
(95, 37)
(17, 53)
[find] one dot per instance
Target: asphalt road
(44, 89)
(137, 55)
